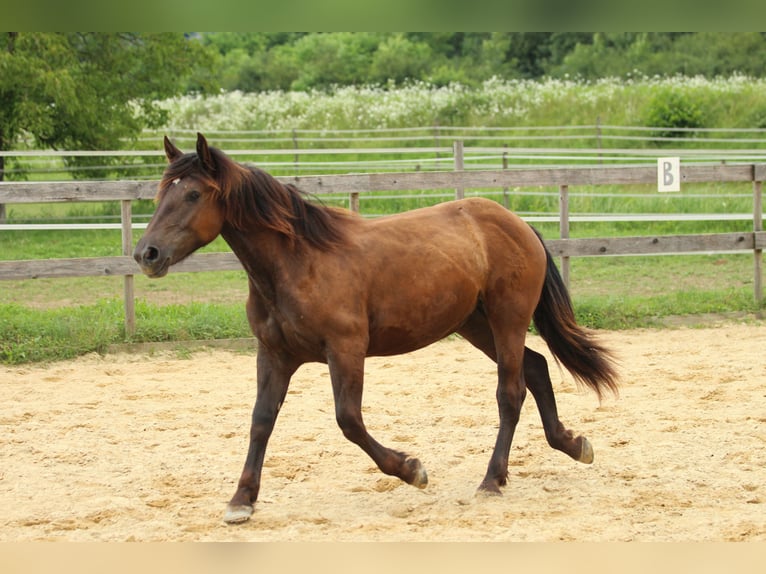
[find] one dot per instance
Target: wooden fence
(355, 184)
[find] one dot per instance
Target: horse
(329, 286)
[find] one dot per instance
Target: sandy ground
(149, 447)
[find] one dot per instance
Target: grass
(30, 334)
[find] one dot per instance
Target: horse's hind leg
(510, 394)
(347, 375)
(502, 338)
(476, 331)
(558, 436)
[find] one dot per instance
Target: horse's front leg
(273, 379)
(347, 375)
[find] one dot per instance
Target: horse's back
(479, 233)
(475, 215)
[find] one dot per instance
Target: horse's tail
(573, 346)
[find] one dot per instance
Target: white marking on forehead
(176, 181)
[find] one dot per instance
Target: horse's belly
(400, 340)
(411, 323)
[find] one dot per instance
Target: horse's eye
(192, 196)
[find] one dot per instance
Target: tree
(330, 59)
(88, 90)
(719, 54)
(398, 59)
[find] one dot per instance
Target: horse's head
(189, 214)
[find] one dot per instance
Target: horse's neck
(261, 254)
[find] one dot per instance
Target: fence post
(598, 139)
(506, 202)
(296, 157)
(757, 227)
(437, 141)
(564, 229)
(127, 248)
(353, 201)
(457, 148)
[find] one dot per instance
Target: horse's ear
(171, 151)
(203, 152)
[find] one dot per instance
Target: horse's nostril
(151, 254)
(152, 260)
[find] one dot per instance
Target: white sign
(669, 174)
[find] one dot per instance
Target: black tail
(574, 346)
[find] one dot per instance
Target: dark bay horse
(329, 286)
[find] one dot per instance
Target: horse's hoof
(237, 514)
(488, 488)
(420, 479)
(586, 452)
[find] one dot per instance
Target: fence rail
(422, 148)
(355, 184)
(83, 191)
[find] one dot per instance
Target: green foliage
(338, 58)
(308, 61)
(718, 54)
(622, 54)
(674, 109)
(398, 59)
(89, 90)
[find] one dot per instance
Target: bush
(673, 110)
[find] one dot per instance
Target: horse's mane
(251, 197)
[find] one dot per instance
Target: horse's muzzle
(151, 260)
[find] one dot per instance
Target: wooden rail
(72, 191)
(355, 184)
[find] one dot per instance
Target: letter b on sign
(669, 174)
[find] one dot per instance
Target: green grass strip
(31, 335)
(34, 335)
